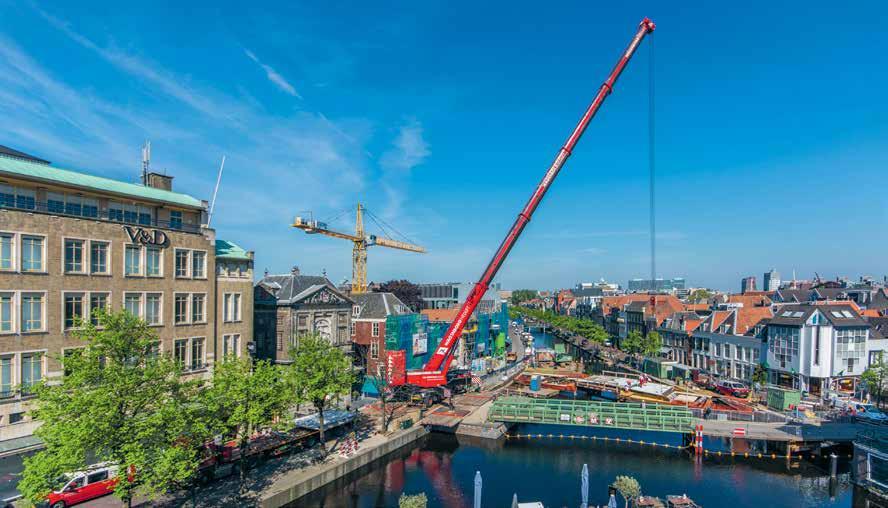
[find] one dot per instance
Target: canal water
(548, 471)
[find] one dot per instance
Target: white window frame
(84, 255)
(231, 345)
(141, 295)
(159, 251)
(12, 311)
(191, 296)
(13, 251)
(43, 317)
(84, 307)
(176, 252)
(108, 257)
(203, 355)
(374, 349)
(375, 329)
(191, 264)
(21, 239)
(88, 302)
(160, 310)
(141, 248)
(187, 320)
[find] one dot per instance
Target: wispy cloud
(273, 75)
(409, 149)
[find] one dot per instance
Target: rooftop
(230, 250)
(36, 169)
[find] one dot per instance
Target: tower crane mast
(434, 373)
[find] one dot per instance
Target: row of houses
(815, 343)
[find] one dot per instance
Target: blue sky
(771, 126)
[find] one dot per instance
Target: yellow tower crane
(360, 241)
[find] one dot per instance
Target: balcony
(92, 212)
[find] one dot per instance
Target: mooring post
(833, 465)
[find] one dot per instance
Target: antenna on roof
(215, 191)
(146, 161)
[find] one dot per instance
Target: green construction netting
(402, 332)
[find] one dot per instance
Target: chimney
(295, 270)
(159, 181)
(266, 273)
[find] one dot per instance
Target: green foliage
(628, 487)
(120, 402)
(406, 291)
(700, 296)
(520, 296)
(414, 501)
(245, 398)
(875, 378)
(652, 344)
(760, 375)
(585, 328)
(633, 343)
(320, 373)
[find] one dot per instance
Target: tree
(415, 501)
(700, 296)
(760, 375)
(406, 291)
(381, 382)
(320, 374)
(244, 398)
(628, 487)
(520, 296)
(633, 343)
(652, 344)
(120, 402)
(876, 377)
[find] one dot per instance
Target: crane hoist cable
(651, 159)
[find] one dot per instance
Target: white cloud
(273, 75)
(409, 149)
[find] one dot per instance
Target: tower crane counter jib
(434, 373)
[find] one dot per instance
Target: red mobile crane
(434, 373)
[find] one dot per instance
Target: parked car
(96, 481)
(732, 388)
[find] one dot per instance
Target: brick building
(72, 242)
(369, 315)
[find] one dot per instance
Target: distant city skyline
(443, 123)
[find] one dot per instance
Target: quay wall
(302, 483)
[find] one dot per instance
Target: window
(25, 198)
(73, 205)
(6, 376)
(198, 264)
(376, 329)
(152, 262)
(197, 308)
(850, 346)
(97, 302)
(115, 211)
(144, 216)
(236, 307)
(132, 303)
(182, 263)
(179, 350)
(32, 370)
(7, 196)
(175, 219)
(32, 312)
(98, 257)
(351, 328)
(90, 207)
(783, 342)
(847, 314)
(73, 310)
(181, 308)
(98, 476)
(7, 247)
(6, 309)
(153, 302)
(197, 353)
(280, 341)
(374, 349)
(32, 254)
(231, 345)
(133, 260)
(16, 417)
(226, 307)
(356, 310)
(74, 256)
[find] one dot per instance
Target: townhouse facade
(72, 243)
(291, 305)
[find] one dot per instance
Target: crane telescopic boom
(434, 372)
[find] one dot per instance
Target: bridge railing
(592, 414)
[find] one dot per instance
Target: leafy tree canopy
(406, 291)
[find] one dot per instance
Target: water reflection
(548, 471)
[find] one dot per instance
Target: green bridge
(585, 413)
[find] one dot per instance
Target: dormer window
(356, 310)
